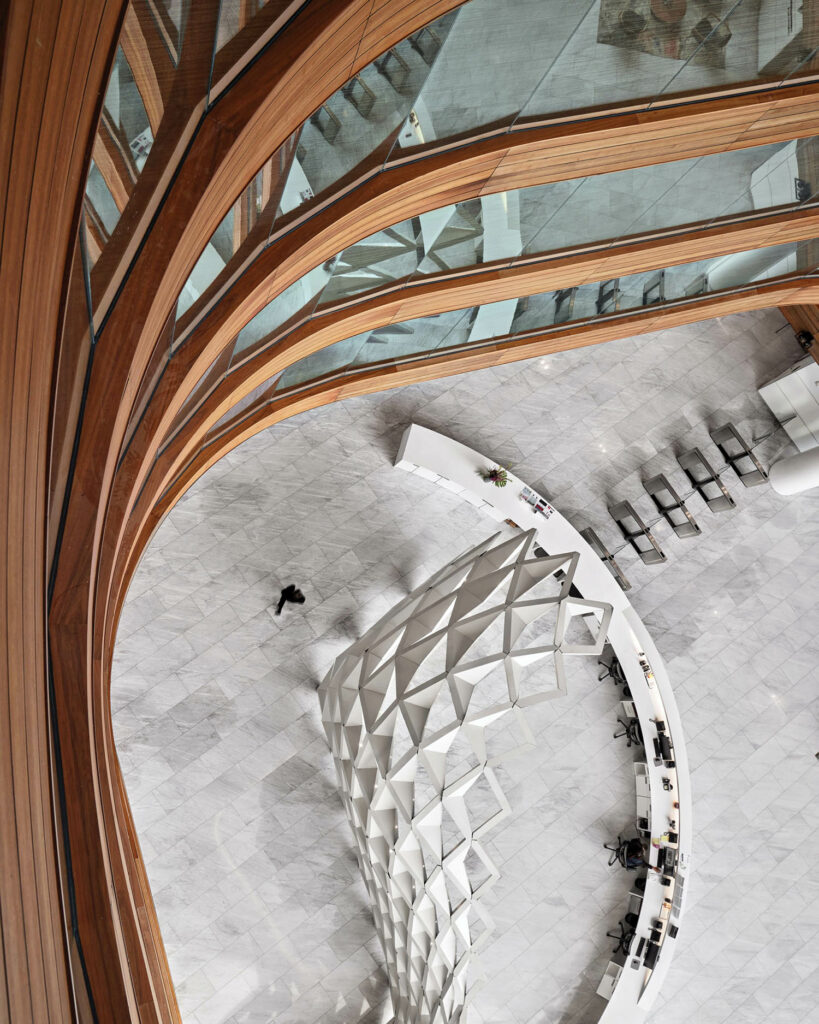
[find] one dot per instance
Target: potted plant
(497, 476)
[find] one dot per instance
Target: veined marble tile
(246, 846)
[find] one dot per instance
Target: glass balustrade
(551, 310)
(545, 219)
(506, 62)
(521, 60)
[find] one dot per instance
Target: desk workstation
(662, 788)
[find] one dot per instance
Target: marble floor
(216, 717)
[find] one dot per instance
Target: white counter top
(456, 467)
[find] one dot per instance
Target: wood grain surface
(55, 63)
(102, 432)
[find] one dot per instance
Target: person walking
(290, 593)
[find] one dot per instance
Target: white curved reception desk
(631, 982)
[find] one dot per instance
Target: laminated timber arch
(409, 186)
(80, 941)
(518, 156)
(172, 475)
(505, 160)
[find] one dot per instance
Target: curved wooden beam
(437, 293)
(152, 508)
(379, 195)
(56, 59)
(121, 943)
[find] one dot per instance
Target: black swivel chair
(614, 670)
(625, 935)
(632, 731)
(622, 850)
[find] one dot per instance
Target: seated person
(635, 853)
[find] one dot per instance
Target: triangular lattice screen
(417, 714)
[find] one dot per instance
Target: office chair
(619, 851)
(632, 731)
(632, 23)
(625, 936)
(614, 671)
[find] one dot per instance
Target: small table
(670, 12)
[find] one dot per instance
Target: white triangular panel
(407, 714)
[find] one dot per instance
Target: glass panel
(494, 60)
(382, 258)
(233, 16)
(553, 309)
(210, 264)
(295, 303)
(408, 338)
(99, 197)
(176, 11)
(169, 17)
(367, 113)
(247, 221)
(124, 106)
(121, 147)
(548, 57)
(534, 221)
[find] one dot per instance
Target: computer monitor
(665, 747)
(652, 953)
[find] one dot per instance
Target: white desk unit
(630, 987)
(793, 398)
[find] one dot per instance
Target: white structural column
(418, 712)
(797, 473)
(631, 983)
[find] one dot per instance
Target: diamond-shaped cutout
(594, 616)
(417, 714)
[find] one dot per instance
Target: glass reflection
(505, 62)
(536, 221)
(548, 310)
(233, 16)
(548, 57)
(121, 147)
(370, 114)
